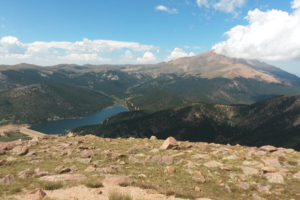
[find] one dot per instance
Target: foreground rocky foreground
(88, 167)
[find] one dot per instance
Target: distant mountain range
(272, 122)
(75, 90)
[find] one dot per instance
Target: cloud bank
(13, 51)
(272, 35)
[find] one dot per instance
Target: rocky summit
(88, 167)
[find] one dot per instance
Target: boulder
(170, 169)
(37, 194)
(274, 178)
(64, 177)
(6, 146)
(161, 159)
(39, 172)
(20, 150)
(25, 173)
(268, 169)
(170, 143)
(153, 137)
(268, 148)
(199, 177)
(213, 164)
(249, 171)
(87, 154)
(8, 179)
(62, 169)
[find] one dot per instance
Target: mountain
(39, 102)
(262, 123)
(208, 78)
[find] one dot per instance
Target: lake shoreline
(61, 126)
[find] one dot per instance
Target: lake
(61, 126)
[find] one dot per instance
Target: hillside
(208, 77)
(38, 102)
(59, 167)
(258, 124)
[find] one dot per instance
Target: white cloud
(13, 51)
(271, 35)
(166, 9)
(148, 57)
(228, 6)
(201, 3)
(178, 53)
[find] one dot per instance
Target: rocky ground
(87, 167)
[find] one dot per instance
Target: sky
(50, 32)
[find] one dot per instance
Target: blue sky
(149, 30)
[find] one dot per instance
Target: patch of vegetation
(12, 136)
(119, 196)
(94, 184)
(46, 185)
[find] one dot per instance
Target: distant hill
(208, 78)
(39, 102)
(275, 121)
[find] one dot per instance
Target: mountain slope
(258, 124)
(39, 102)
(208, 77)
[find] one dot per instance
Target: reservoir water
(61, 126)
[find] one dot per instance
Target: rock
(297, 175)
(231, 157)
(116, 180)
(170, 143)
(213, 164)
(274, 178)
(87, 154)
(273, 162)
(197, 189)
(268, 169)
(37, 194)
(8, 179)
(243, 185)
(92, 168)
(154, 150)
(161, 159)
(199, 177)
(153, 137)
(20, 150)
(200, 156)
(64, 177)
(25, 173)
(170, 169)
(112, 169)
(39, 172)
(7, 146)
(249, 171)
(98, 191)
(2, 162)
(74, 168)
(84, 160)
(268, 148)
(263, 188)
(62, 169)
(70, 134)
(256, 197)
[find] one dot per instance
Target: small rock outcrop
(170, 143)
